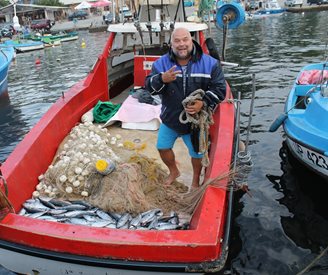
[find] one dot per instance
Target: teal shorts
(167, 137)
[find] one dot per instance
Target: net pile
(136, 184)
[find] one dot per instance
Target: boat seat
(142, 68)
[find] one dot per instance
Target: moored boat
(23, 45)
(52, 247)
(6, 56)
(271, 8)
(305, 127)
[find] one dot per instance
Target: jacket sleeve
(154, 83)
(217, 88)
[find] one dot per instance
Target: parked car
(42, 24)
(127, 14)
(80, 14)
(317, 2)
(6, 30)
(108, 18)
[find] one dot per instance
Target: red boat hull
(202, 243)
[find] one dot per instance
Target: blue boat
(270, 8)
(6, 56)
(306, 124)
(23, 45)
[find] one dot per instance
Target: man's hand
(170, 75)
(194, 107)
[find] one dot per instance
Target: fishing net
(134, 186)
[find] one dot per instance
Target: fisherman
(175, 75)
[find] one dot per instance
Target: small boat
(23, 45)
(63, 36)
(271, 7)
(51, 42)
(6, 56)
(52, 247)
(305, 126)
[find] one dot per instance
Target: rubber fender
(234, 9)
(278, 122)
(213, 51)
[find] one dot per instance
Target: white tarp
(83, 5)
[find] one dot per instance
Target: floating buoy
(58, 59)
(37, 61)
(83, 45)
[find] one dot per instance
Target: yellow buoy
(83, 44)
(105, 166)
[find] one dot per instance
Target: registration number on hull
(316, 160)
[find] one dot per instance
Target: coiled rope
(202, 120)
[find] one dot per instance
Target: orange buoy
(37, 61)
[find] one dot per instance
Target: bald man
(184, 69)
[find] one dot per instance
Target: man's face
(181, 44)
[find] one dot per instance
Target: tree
(48, 3)
(4, 3)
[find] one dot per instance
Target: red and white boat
(35, 246)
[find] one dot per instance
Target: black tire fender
(212, 49)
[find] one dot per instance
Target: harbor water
(282, 226)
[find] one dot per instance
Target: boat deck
(149, 138)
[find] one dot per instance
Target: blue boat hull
(306, 126)
(6, 56)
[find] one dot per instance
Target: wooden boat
(305, 128)
(6, 56)
(28, 244)
(23, 45)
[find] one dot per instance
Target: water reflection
(304, 194)
(12, 127)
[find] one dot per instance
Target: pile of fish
(82, 213)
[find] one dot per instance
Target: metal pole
(250, 112)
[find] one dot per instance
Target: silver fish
(135, 221)
(35, 207)
(167, 226)
(90, 218)
(46, 201)
(111, 225)
(78, 221)
(74, 214)
(37, 214)
(154, 223)
(148, 216)
(73, 207)
(105, 216)
(56, 211)
(59, 203)
(123, 220)
(81, 202)
(101, 223)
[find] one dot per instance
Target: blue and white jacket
(203, 72)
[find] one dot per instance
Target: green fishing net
(103, 111)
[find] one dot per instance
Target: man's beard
(184, 57)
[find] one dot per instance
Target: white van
(293, 3)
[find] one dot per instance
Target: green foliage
(4, 3)
(48, 3)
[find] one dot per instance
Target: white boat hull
(312, 159)
(28, 264)
(29, 48)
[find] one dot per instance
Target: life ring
(213, 51)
